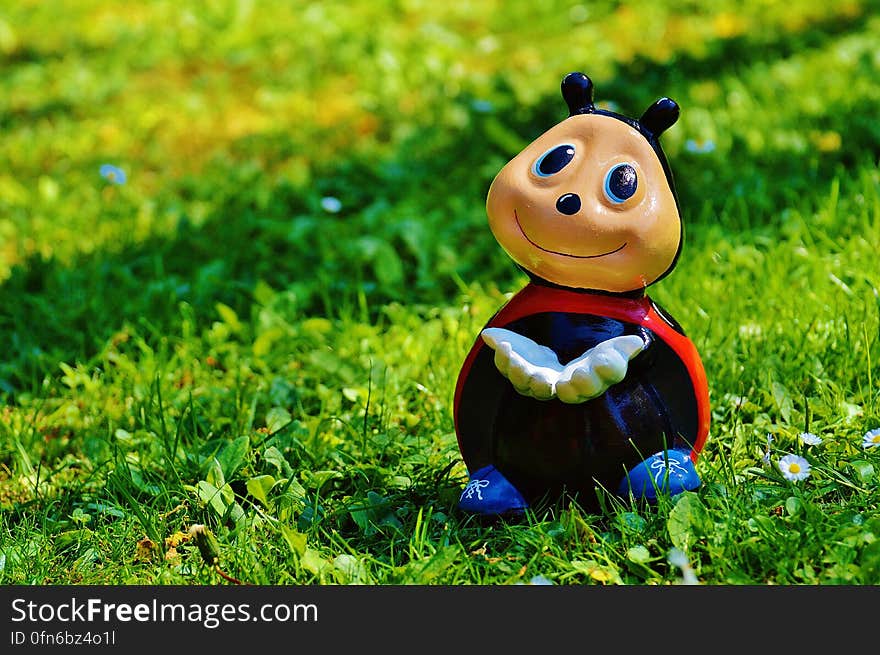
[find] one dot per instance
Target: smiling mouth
(563, 254)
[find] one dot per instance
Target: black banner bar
(391, 617)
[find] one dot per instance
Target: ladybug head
(591, 203)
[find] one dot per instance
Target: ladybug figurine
(581, 382)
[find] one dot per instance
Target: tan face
(587, 205)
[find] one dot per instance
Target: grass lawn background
(259, 331)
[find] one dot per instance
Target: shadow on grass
(413, 226)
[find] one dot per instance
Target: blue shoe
(489, 492)
(670, 471)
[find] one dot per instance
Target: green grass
(206, 344)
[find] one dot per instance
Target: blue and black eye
(553, 161)
(621, 183)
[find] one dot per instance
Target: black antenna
(660, 116)
(577, 89)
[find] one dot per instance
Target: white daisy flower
(794, 467)
(871, 439)
(809, 439)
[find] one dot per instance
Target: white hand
(592, 373)
(531, 368)
(535, 371)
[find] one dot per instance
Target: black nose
(568, 204)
